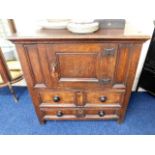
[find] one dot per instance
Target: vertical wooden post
(12, 26)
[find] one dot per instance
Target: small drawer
(80, 113)
(104, 97)
(49, 98)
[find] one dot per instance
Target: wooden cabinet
(79, 77)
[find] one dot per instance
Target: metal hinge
(105, 81)
(108, 52)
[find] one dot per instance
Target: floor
(20, 119)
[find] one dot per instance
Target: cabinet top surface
(128, 33)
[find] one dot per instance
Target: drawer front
(63, 98)
(82, 64)
(79, 113)
(107, 97)
(57, 98)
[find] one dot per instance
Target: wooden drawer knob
(101, 113)
(56, 98)
(59, 113)
(103, 98)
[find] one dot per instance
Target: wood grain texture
(79, 114)
(81, 62)
(134, 57)
(65, 97)
(128, 34)
(80, 77)
(27, 70)
(32, 55)
(111, 97)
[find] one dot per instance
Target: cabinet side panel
(133, 62)
(25, 65)
(43, 57)
(33, 58)
(29, 79)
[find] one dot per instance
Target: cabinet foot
(42, 121)
(120, 121)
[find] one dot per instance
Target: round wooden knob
(59, 113)
(101, 113)
(56, 98)
(103, 98)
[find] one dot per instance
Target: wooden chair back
(4, 71)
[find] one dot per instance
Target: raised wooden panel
(74, 62)
(123, 58)
(34, 61)
(87, 63)
(77, 65)
(43, 57)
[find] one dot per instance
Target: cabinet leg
(121, 118)
(42, 121)
(13, 93)
(120, 121)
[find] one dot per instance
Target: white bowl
(83, 28)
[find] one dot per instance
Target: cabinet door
(82, 64)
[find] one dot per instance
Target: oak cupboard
(80, 77)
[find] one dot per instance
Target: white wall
(144, 25)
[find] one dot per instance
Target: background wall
(145, 25)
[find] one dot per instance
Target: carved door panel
(88, 64)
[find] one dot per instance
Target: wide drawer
(83, 98)
(79, 113)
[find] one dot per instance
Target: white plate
(82, 21)
(83, 28)
(53, 24)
